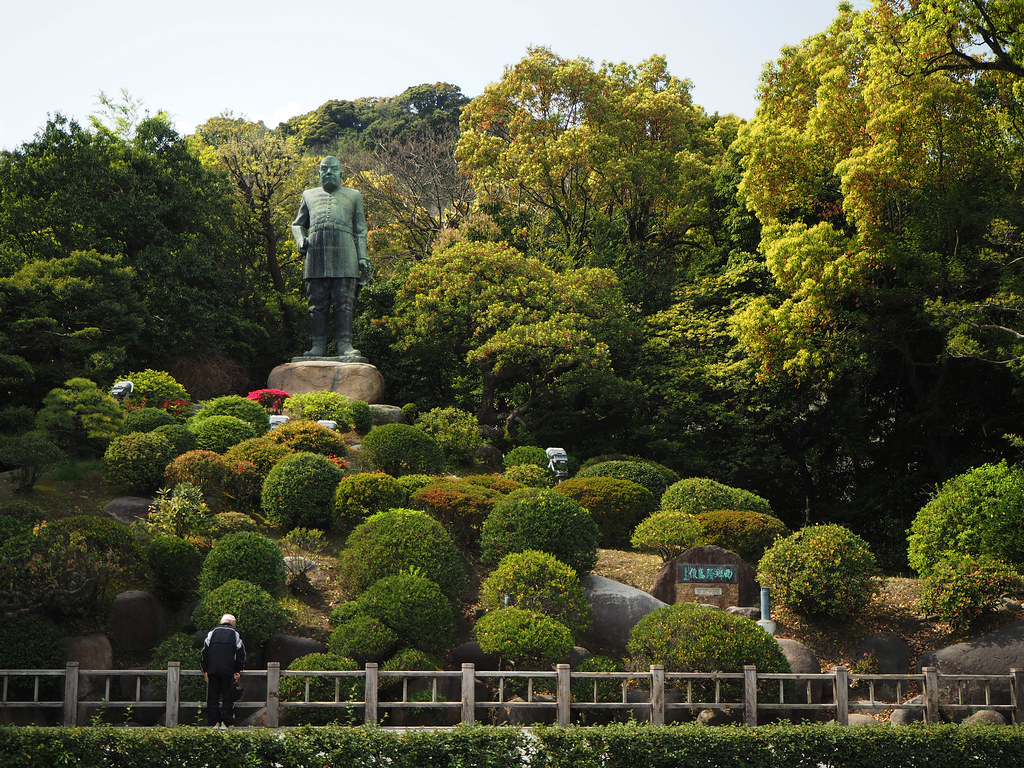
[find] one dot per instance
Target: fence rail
(561, 692)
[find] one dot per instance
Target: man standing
(330, 230)
(222, 661)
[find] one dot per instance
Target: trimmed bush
(460, 507)
(299, 491)
(259, 616)
(525, 639)
(224, 523)
(746, 533)
(147, 419)
(30, 641)
(412, 483)
(135, 463)
(821, 571)
(699, 494)
(364, 639)
(181, 437)
(544, 520)
(670, 475)
(502, 485)
(634, 471)
(206, 470)
(966, 588)
(414, 608)
(980, 512)
(155, 388)
(272, 400)
(616, 505)
(321, 689)
(525, 454)
(30, 454)
(363, 494)
(179, 647)
(604, 690)
(537, 581)
(240, 407)
(359, 416)
(247, 556)
(262, 452)
(22, 509)
(395, 541)
(174, 563)
(180, 512)
(218, 433)
(666, 534)
(309, 437)
(80, 418)
(318, 406)
(400, 449)
(344, 612)
(529, 476)
(455, 431)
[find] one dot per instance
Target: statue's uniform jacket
(337, 232)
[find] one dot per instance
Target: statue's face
(330, 174)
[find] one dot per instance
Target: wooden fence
(470, 695)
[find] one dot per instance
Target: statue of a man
(330, 230)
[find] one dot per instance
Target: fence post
(71, 694)
(370, 698)
(657, 694)
(468, 694)
(1017, 694)
(563, 695)
(749, 694)
(273, 694)
(173, 693)
(841, 694)
(931, 694)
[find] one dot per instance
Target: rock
(472, 653)
(137, 621)
(713, 717)
(91, 652)
(856, 718)
(892, 655)
(128, 509)
(986, 717)
(803, 661)
(749, 594)
(908, 716)
(357, 381)
(576, 655)
(386, 414)
(284, 649)
(616, 609)
(746, 611)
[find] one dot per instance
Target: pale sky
(273, 60)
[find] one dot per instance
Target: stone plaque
(693, 580)
(707, 567)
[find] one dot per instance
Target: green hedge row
(616, 746)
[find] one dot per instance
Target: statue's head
(330, 173)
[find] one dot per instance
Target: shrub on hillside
(455, 431)
(400, 449)
(537, 581)
(29, 641)
(363, 494)
(179, 647)
(526, 454)
(247, 556)
(147, 419)
(616, 505)
(522, 638)
(262, 452)
(980, 512)
(206, 470)
(412, 483)
(821, 571)
(321, 688)
(541, 519)
(529, 476)
(218, 433)
(272, 400)
(80, 418)
(359, 416)
(364, 639)
(181, 437)
(29, 455)
(502, 485)
(299, 491)
(243, 487)
(460, 507)
(223, 523)
(135, 462)
(179, 512)
(670, 475)
(414, 608)
(174, 563)
(397, 540)
(259, 615)
(666, 534)
(318, 406)
(22, 509)
(634, 471)
(594, 689)
(155, 388)
(699, 494)
(309, 437)
(240, 407)
(746, 533)
(966, 588)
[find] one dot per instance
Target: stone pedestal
(357, 381)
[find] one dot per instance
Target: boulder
(91, 652)
(986, 717)
(746, 611)
(892, 655)
(357, 381)
(128, 509)
(749, 594)
(616, 609)
(803, 661)
(284, 649)
(902, 716)
(137, 621)
(471, 653)
(386, 414)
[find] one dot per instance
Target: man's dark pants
(218, 689)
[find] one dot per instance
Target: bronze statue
(330, 230)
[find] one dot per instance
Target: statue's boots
(343, 334)
(318, 328)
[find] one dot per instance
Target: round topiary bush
(240, 407)
(299, 491)
(259, 616)
(147, 419)
(525, 454)
(318, 406)
(537, 581)
(596, 690)
(544, 520)
(364, 639)
(746, 533)
(412, 483)
(415, 608)
(400, 449)
(980, 512)
(174, 563)
(363, 494)
(309, 437)
(699, 494)
(224, 523)
(666, 534)
(154, 388)
(525, 639)
(247, 556)
(397, 540)
(359, 416)
(821, 571)
(616, 505)
(966, 588)
(455, 431)
(22, 509)
(135, 463)
(634, 471)
(670, 475)
(529, 476)
(502, 485)
(262, 452)
(180, 647)
(218, 433)
(181, 437)
(460, 507)
(206, 470)
(79, 418)
(293, 689)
